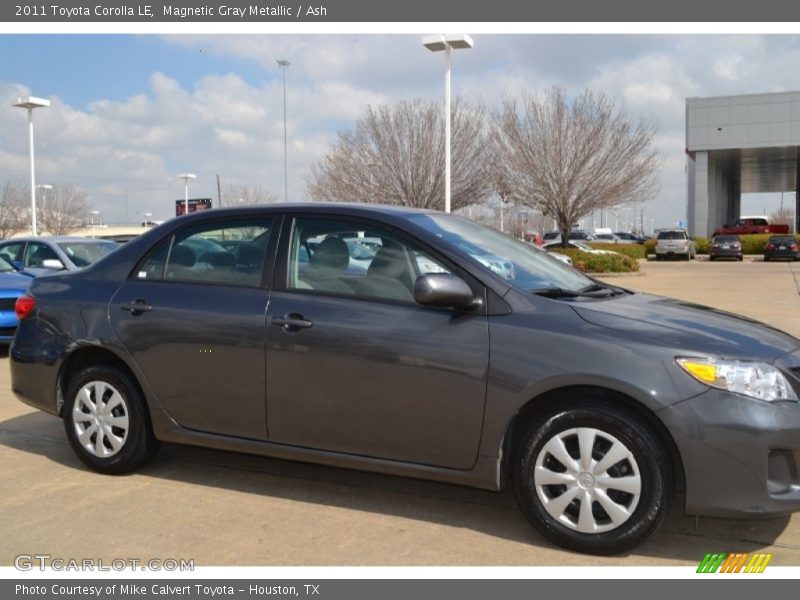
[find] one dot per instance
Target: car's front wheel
(107, 422)
(592, 478)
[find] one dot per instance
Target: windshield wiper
(598, 287)
(589, 291)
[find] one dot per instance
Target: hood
(689, 327)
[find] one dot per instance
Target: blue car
(12, 285)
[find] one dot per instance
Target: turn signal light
(24, 307)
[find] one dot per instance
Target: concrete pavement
(229, 509)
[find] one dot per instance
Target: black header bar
(338, 11)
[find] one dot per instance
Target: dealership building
(737, 145)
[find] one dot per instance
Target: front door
(354, 365)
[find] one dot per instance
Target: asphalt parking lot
(229, 509)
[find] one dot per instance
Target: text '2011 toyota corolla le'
(419, 344)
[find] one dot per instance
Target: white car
(578, 245)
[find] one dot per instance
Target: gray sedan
(592, 402)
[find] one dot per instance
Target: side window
(152, 267)
(11, 251)
(355, 259)
(210, 253)
(38, 253)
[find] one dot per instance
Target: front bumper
(741, 457)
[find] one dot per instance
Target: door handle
(136, 307)
(291, 322)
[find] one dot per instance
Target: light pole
(437, 43)
(284, 64)
(29, 103)
(186, 177)
(44, 187)
(94, 213)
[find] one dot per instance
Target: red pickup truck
(747, 225)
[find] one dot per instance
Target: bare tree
(569, 157)
(782, 216)
(396, 155)
(247, 195)
(14, 210)
(63, 209)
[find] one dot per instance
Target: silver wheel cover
(100, 418)
(587, 480)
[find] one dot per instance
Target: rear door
(192, 317)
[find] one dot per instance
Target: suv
(674, 243)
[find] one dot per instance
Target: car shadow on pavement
(680, 538)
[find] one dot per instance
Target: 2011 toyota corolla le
(256, 330)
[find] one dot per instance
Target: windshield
(5, 266)
(672, 235)
(511, 259)
(83, 253)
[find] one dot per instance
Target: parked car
(781, 246)
(726, 246)
(608, 238)
(593, 402)
(551, 236)
(674, 243)
(578, 245)
(40, 255)
(751, 225)
(631, 238)
(13, 284)
(554, 255)
(119, 238)
(579, 234)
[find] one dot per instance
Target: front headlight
(753, 379)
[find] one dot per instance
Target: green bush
(600, 263)
(650, 246)
(632, 250)
(702, 245)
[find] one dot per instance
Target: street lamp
(29, 103)
(186, 177)
(43, 187)
(284, 64)
(94, 213)
(437, 43)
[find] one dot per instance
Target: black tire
(650, 458)
(138, 445)
(712, 258)
(766, 259)
(741, 258)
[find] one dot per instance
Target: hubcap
(587, 480)
(100, 417)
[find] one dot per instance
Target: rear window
(782, 239)
(726, 239)
(672, 235)
(551, 235)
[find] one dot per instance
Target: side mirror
(52, 263)
(443, 290)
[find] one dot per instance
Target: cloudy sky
(130, 112)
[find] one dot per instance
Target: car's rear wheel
(592, 478)
(107, 422)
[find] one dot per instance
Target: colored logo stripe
(737, 562)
